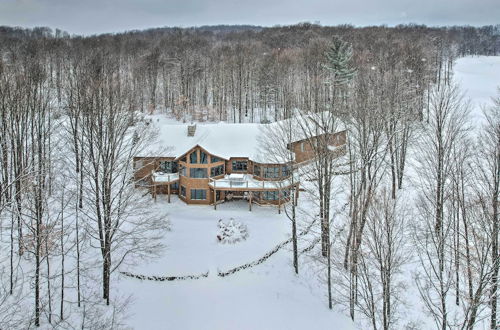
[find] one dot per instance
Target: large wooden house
(212, 163)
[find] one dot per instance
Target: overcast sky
(101, 16)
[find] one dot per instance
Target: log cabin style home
(214, 163)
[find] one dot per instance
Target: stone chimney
(191, 130)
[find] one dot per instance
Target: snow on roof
(220, 139)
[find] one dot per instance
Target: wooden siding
(304, 151)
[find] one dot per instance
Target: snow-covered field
(268, 296)
(479, 79)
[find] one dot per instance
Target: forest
(70, 109)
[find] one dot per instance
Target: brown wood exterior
(145, 166)
(195, 184)
(304, 151)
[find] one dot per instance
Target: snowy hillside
(479, 79)
(267, 296)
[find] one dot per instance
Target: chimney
(191, 130)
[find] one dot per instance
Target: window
(256, 170)
(271, 172)
(215, 159)
(203, 158)
(285, 193)
(270, 195)
(174, 186)
(167, 166)
(285, 170)
(302, 147)
(193, 157)
(183, 170)
(200, 194)
(217, 170)
(198, 173)
(183, 191)
(240, 165)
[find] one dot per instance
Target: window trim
(239, 161)
(191, 191)
(214, 167)
(201, 157)
(173, 166)
(200, 169)
(195, 153)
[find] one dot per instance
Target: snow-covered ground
(267, 296)
(479, 79)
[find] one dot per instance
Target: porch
(245, 186)
(160, 180)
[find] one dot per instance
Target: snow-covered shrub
(232, 231)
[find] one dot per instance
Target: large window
(270, 195)
(168, 166)
(183, 191)
(203, 158)
(271, 172)
(200, 194)
(198, 173)
(285, 170)
(193, 157)
(174, 186)
(217, 170)
(240, 165)
(214, 159)
(256, 170)
(183, 171)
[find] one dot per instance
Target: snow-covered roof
(220, 139)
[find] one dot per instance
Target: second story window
(182, 170)
(285, 171)
(271, 172)
(198, 173)
(256, 170)
(168, 166)
(217, 170)
(240, 165)
(203, 158)
(193, 157)
(214, 159)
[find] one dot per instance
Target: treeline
(249, 74)
(70, 216)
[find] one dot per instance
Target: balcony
(247, 182)
(161, 178)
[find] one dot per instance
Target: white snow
(220, 139)
(479, 78)
(248, 181)
(267, 296)
(232, 231)
(165, 177)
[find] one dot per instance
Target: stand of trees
(68, 131)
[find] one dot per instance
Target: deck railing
(250, 183)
